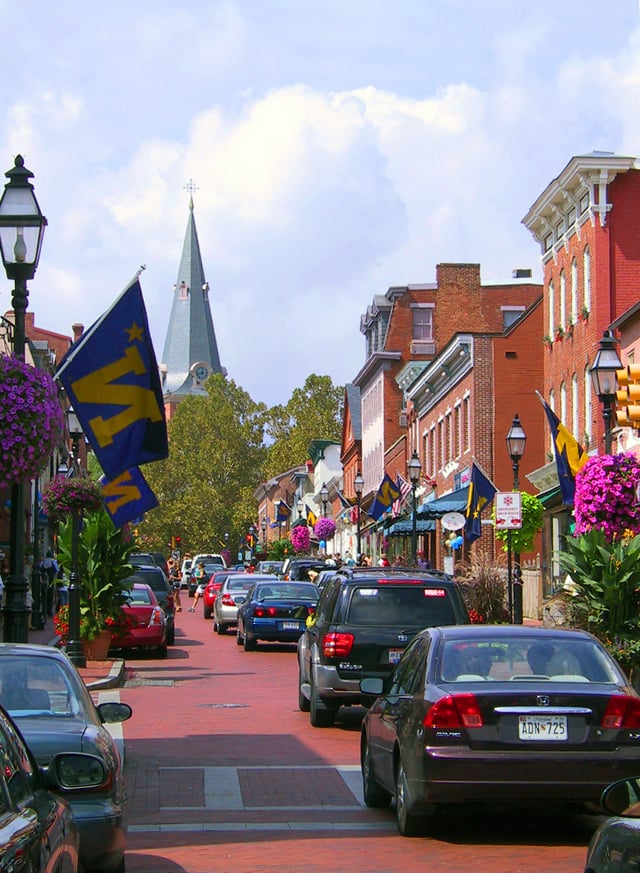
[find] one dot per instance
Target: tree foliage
(216, 457)
(312, 412)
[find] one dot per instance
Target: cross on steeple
(191, 187)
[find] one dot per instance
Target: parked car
(36, 825)
(231, 595)
(274, 567)
(363, 623)
(161, 561)
(297, 569)
(615, 846)
(275, 612)
(185, 571)
(44, 694)
(211, 591)
(497, 712)
(158, 582)
(147, 625)
(142, 559)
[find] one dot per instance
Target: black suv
(155, 578)
(364, 620)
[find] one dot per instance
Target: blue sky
(338, 148)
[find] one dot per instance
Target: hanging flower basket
(325, 528)
(300, 538)
(63, 495)
(31, 422)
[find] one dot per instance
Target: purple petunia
(605, 496)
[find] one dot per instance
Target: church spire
(190, 352)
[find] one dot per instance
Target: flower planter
(98, 648)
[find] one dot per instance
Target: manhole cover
(223, 705)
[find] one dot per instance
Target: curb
(115, 678)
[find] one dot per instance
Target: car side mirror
(372, 686)
(622, 798)
(114, 712)
(74, 771)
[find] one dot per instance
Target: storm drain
(136, 683)
(222, 705)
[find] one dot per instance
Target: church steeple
(190, 352)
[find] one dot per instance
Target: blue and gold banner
(481, 493)
(127, 497)
(387, 493)
(112, 381)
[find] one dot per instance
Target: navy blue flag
(387, 493)
(127, 497)
(112, 381)
(283, 512)
(569, 454)
(481, 493)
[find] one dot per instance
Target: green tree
(312, 412)
(216, 456)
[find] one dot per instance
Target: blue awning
(405, 526)
(456, 501)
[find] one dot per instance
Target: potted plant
(559, 333)
(325, 528)
(102, 566)
(300, 538)
(547, 339)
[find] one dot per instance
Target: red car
(211, 591)
(147, 627)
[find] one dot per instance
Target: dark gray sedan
(497, 713)
(615, 846)
(45, 696)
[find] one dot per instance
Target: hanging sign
(508, 510)
(452, 520)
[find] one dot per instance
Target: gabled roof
(191, 338)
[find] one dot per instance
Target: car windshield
(394, 604)
(527, 659)
(139, 595)
(40, 686)
(291, 591)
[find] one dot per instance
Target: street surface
(226, 774)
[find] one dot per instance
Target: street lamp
(516, 442)
(358, 485)
(603, 378)
(263, 524)
(74, 647)
(324, 497)
(414, 469)
(300, 506)
(22, 227)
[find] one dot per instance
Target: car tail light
(337, 645)
(621, 712)
(454, 711)
(263, 611)
(156, 617)
(227, 600)
(311, 610)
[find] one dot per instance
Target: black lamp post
(414, 469)
(516, 441)
(74, 647)
(300, 506)
(603, 378)
(358, 486)
(324, 497)
(263, 524)
(22, 227)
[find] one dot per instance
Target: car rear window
(412, 605)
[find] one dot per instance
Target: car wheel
(221, 629)
(206, 611)
(238, 637)
(303, 703)
(171, 636)
(161, 651)
(320, 715)
(250, 644)
(408, 825)
(374, 795)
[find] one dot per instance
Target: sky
(338, 148)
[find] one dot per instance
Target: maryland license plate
(291, 625)
(542, 727)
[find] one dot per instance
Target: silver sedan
(231, 595)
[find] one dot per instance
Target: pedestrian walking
(200, 578)
(175, 578)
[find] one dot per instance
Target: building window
(588, 433)
(422, 323)
(458, 428)
(511, 314)
(563, 403)
(432, 439)
(563, 301)
(552, 306)
(548, 242)
(586, 268)
(575, 426)
(467, 423)
(574, 291)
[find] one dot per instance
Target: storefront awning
(405, 526)
(456, 501)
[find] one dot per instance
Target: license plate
(395, 655)
(291, 625)
(542, 727)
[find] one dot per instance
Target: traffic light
(628, 397)
(178, 542)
